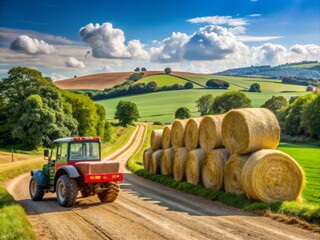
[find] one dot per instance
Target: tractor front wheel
(111, 194)
(36, 192)
(67, 191)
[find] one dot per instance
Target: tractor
(74, 164)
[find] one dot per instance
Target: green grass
(14, 223)
(308, 156)
(308, 210)
(120, 135)
(163, 80)
(161, 106)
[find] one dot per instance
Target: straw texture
(146, 156)
(250, 129)
(193, 166)
(272, 176)
(166, 137)
(191, 138)
(233, 172)
(177, 133)
(210, 132)
(154, 161)
(166, 165)
(213, 168)
(156, 139)
(179, 163)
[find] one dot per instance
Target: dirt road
(147, 210)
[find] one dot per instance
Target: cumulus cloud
(74, 63)
(170, 49)
(108, 42)
(211, 43)
(220, 20)
(311, 49)
(269, 54)
(28, 45)
(245, 38)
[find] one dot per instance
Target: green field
(163, 80)
(161, 106)
(308, 156)
(307, 65)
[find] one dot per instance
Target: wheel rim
(61, 191)
(33, 187)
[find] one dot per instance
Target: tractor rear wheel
(36, 192)
(111, 194)
(67, 191)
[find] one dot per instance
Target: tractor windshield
(85, 151)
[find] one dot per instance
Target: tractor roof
(75, 139)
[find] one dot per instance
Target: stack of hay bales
(251, 135)
(233, 152)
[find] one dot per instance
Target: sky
(67, 38)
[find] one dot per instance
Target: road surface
(146, 210)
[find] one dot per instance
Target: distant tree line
(34, 112)
(136, 76)
(301, 81)
(217, 84)
(128, 88)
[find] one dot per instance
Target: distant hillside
(106, 80)
(301, 70)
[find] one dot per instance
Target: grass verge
(305, 211)
(120, 135)
(14, 223)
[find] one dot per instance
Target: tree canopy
(276, 104)
(255, 87)
(126, 112)
(182, 113)
(230, 100)
(167, 70)
(204, 104)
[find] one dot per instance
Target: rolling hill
(106, 80)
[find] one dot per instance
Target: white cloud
(28, 45)
(269, 54)
(108, 42)
(57, 76)
(170, 49)
(310, 49)
(7, 35)
(220, 20)
(74, 63)
(211, 43)
(255, 15)
(244, 38)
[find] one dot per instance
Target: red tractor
(75, 165)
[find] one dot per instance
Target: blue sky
(62, 38)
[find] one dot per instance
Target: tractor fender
(68, 169)
(39, 177)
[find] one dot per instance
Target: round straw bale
(156, 139)
(167, 162)
(272, 176)
(210, 132)
(166, 137)
(249, 129)
(191, 136)
(154, 161)
(177, 133)
(179, 163)
(193, 166)
(146, 156)
(232, 173)
(212, 169)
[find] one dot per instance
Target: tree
(143, 69)
(151, 86)
(255, 87)
(182, 113)
(310, 118)
(291, 119)
(126, 112)
(276, 104)
(33, 111)
(230, 100)
(137, 69)
(216, 83)
(167, 70)
(204, 104)
(188, 85)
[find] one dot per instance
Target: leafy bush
(217, 84)
(182, 113)
(255, 87)
(188, 85)
(276, 104)
(136, 76)
(204, 104)
(230, 100)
